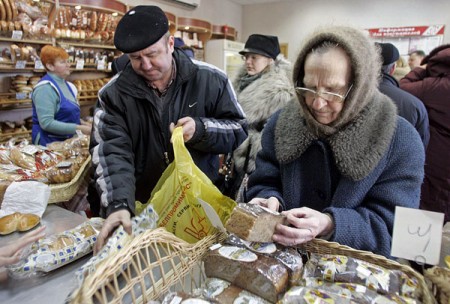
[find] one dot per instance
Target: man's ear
(391, 72)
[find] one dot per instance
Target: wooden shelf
(201, 27)
(62, 42)
(172, 22)
(30, 41)
(223, 32)
(112, 6)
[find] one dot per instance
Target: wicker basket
(146, 269)
(324, 247)
(64, 192)
(440, 278)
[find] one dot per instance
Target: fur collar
(357, 147)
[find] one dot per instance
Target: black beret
(389, 53)
(140, 27)
(263, 45)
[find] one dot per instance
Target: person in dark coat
(160, 89)
(339, 160)
(408, 106)
(430, 82)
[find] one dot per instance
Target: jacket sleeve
(265, 181)
(414, 82)
(369, 226)
(112, 159)
(224, 127)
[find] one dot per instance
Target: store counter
(53, 287)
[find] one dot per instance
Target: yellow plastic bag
(174, 197)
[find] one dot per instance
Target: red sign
(405, 31)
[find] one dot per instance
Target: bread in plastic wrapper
(340, 268)
(357, 293)
(254, 223)
(259, 274)
(308, 295)
(226, 293)
(57, 250)
(181, 297)
(146, 220)
(289, 256)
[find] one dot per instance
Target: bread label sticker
(417, 235)
(260, 247)
(176, 300)
(237, 254)
(194, 301)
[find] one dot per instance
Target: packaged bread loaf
(356, 292)
(254, 223)
(339, 268)
(307, 295)
(181, 297)
(288, 256)
(259, 274)
(18, 222)
(54, 251)
(226, 293)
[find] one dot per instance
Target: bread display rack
(65, 191)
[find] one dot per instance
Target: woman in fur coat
(340, 159)
(263, 86)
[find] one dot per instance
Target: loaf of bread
(56, 250)
(18, 222)
(226, 293)
(259, 274)
(289, 256)
(254, 223)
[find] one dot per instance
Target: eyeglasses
(328, 96)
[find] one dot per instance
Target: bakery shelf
(29, 41)
(62, 43)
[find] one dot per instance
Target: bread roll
(8, 9)
(254, 223)
(18, 222)
(2, 11)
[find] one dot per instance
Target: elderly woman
(263, 86)
(339, 160)
(56, 112)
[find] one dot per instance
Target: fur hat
(263, 45)
(389, 53)
(140, 27)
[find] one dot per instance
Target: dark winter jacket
(357, 168)
(409, 106)
(131, 143)
(432, 86)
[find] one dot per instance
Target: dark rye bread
(266, 276)
(254, 223)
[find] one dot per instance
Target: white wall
(291, 21)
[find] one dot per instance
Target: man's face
(414, 60)
(154, 63)
(327, 72)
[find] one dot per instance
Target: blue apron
(68, 112)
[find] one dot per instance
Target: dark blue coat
(363, 210)
(409, 106)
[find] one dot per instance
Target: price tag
(21, 95)
(417, 235)
(17, 35)
(101, 65)
(80, 64)
(21, 64)
(38, 65)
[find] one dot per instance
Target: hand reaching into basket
(10, 253)
(114, 220)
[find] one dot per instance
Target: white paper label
(212, 215)
(21, 64)
(17, 35)
(38, 65)
(417, 235)
(80, 64)
(237, 254)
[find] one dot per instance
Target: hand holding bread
(10, 253)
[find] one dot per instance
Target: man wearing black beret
(160, 89)
(409, 106)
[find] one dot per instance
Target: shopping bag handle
(181, 153)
